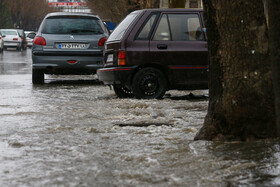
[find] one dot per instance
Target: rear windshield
(117, 34)
(72, 25)
(12, 33)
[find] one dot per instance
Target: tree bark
(241, 99)
(274, 48)
(177, 3)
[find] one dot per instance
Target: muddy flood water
(73, 131)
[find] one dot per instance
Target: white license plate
(110, 58)
(71, 46)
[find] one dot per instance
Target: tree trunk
(274, 48)
(241, 102)
(176, 3)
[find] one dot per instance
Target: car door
(137, 45)
(179, 43)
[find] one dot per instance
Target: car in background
(29, 37)
(1, 43)
(12, 39)
(155, 50)
(68, 43)
(23, 39)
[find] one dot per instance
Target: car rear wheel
(123, 92)
(149, 83)
(37, 76)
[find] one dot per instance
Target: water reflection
(255, 163)
(15, 62)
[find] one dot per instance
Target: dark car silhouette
(155, 50)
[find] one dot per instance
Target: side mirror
(106, 26)
(31, 35)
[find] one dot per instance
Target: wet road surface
(73, 131)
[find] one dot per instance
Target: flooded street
(73, 131)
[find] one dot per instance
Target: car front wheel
(123, 92)
(149, 83)
(37, 76)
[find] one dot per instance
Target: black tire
(149, 83)
(123, 92)
(37, 76)
(5, 48)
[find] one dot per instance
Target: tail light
(0, 37)
(102, 41)
(121, 58)
(71, 61)
(22, 38)
(38, 40)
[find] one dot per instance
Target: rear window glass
(146, 30)
(12, 33)
(118, 33)
(72, 25)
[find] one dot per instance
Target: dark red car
(155, 50)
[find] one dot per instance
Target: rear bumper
(68, 53)
(116, 75)
(57, 63)
(29, 44)
(12, 44)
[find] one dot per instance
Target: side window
(185, 27)
(145, 32)
(162, 31)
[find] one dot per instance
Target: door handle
(162, 46)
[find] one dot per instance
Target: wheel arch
(160, 67)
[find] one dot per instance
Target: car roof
(30, 32)
(172, 10)
(70, 14)
(8, 29)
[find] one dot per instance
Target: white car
(11, 39)
(30, 40)
(1, 43)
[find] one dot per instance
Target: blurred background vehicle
(23, 39)
(110, 25)
(29, 37)
(1, 43)
(12, 39)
